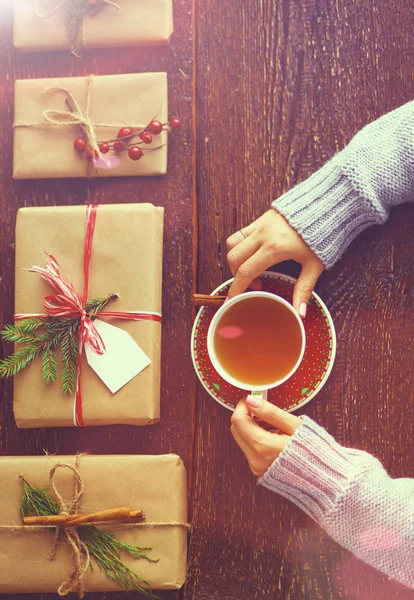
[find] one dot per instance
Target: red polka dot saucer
(311, 374)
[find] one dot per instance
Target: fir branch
(53, 331)
(97, 305)
(75, 13)
(104, 547)
(70, 348)
(60, 325)
(49, 365)
(36, 501)
(30, 324)
(19, 360)
(15, 333)
(22, 358)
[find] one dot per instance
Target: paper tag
(122, 360)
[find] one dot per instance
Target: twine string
(75, 582)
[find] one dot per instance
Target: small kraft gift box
(92, 126)
(77, 25)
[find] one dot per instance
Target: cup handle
(262, 394)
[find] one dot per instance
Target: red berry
(118, 146)
(135, 153)
(146, 137)
(104, 148)
(125, 132)
(80, 145)
(174, 123)
(91, 154)
(155, 127)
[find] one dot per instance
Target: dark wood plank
(281, 86)
(175, 192)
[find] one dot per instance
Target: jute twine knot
(80, 553)
(75, 116)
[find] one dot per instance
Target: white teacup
(255, 390)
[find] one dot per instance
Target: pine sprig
(19, 360)
(49, 366)
(30, 324)
(40, 336)
(22, 358)
(104, 547)
(98, 304)
(20, 334)
(36, 502)
(106, 550)
(70, 347)
(75, 13)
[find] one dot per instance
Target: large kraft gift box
(44, 150)
(127, 260)
(155, 484)
(135, 23)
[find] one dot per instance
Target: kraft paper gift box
(108, 102)
(41, 24)
(126, 259)
(154, 484)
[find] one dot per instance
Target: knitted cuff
(313, 470)
(327, 212)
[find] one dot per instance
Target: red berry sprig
(126, 140)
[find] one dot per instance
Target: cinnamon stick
(206, 300)
(113, 514)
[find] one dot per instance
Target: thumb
(273, 415)
(305, 284)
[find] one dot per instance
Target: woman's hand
(261, 446)
(267, 241)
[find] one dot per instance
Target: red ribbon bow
(69, 303)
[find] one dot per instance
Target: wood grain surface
(281, 85)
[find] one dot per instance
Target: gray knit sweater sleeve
(351, 496)
(357, 188)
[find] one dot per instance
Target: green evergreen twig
(40, 336)
(104, 547)
(75, 13)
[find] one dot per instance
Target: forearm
(357, 188)
(351, 496)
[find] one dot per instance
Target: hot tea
(258, 341)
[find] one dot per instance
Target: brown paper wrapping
(46, 151)
(126, 259)
(156, 484)
(137, 23)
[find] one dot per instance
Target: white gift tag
(122, 360)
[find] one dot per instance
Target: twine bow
(75, 13)
(75, 116)
(75, 582)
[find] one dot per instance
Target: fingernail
(302, 310)
(253, 401)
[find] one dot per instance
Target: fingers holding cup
(259, 446)
(273, 415)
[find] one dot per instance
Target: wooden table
(267, 92)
